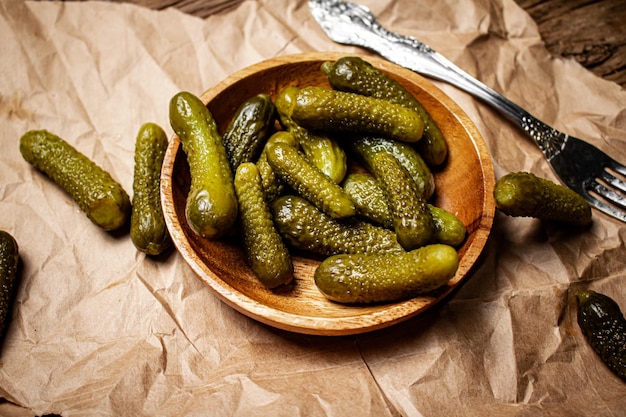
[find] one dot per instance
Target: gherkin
(308, 181)
(369, 199)
(272, 185)
(358, 278)
(449, 229)
(604, 327)
(320, 149)
(325, 109)
(103, 199)
(211, 207)
(9, 258)
(523, 194)
(367, 147)
(249, 129)
(412, 220)
(305, 227)
(355, 75)
(267, 254)
(148, 231)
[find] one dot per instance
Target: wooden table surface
(591, 32)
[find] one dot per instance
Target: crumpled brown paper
(100, 329)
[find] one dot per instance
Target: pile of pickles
(297, 188)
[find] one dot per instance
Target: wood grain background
(591, 32)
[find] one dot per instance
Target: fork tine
(608, 194)
(613, 180)
(605, 208)
(617, 167)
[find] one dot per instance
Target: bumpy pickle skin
(324, 109)
(369, 199)
(523, 194)
(376, 278)
(97, 194)
(367, 147)
(412, 220)
(273, 186)
(449, 229)
(604, 327)
(248, 130)
(295, 170)
(211, 207)
(9, 259)
(304, 227)
(265, 250)
(355, 75)
(148, 231)
(320, 149)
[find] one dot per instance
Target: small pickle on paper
(604, 327)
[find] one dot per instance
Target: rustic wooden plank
(591, 32)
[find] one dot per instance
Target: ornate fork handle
(413, 54)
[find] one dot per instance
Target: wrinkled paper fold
(100, 329)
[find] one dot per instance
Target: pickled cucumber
(449, 229)
(308, 181)
(321, 150)
(148, 231)
(604, 327)
(367, 147)
(268, 256)
(358, 278)
(211, 207)
(525, 195)
(355, 75)
(412, 220)
(272, 184)
(305, 227)
(369, 199)
(9, 258)
(103, 199)
(319, 108)
(248, 130)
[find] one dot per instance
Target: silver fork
(578, 164)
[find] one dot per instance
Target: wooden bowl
(464, 187)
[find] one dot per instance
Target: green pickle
(604, 327)
(267, 254)
(308, 181)
(324, 109)
(369, 199)
(9, 259)
(355, 75)
(148, 231)
(248, 130)
(366, 148)
(321, 150)
(305, 227)
(97, 194)
(358, 278)
(523, 194)
(273, 186)
(449, 229)
(211, 207)
(412, 220)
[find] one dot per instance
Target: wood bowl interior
(464, 186)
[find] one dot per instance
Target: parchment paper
(100, 329)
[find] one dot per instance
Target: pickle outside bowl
(464, 186)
